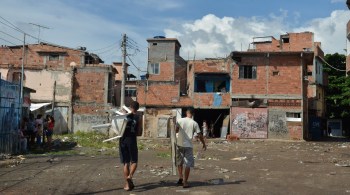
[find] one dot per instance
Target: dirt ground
(241, 167)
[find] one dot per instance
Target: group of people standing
(33, 132)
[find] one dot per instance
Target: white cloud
(212, 36)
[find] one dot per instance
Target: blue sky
(205, 28)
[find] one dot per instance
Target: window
(247, 72)
(154, 44)
(53, 57)
(130, 92)
(293, 116)
(211, 83)
(285, 40)
(154, 68)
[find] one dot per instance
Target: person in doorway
(128, 147)
(39, 129)
(49, 131)
(31, 129)
(211, 129)
(205, 129)
(186, 128)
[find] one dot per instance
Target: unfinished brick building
(270, 91)
(278, 88)
(66, 77)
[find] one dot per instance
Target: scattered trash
(263, 169)
(223, 170)
(227, 177)
(182, 190)
(239, 158)
(116, 166)
(216, 181)
(342, 165)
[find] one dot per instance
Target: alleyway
(242, 167)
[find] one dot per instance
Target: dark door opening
(213, 117)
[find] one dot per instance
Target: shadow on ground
(151, 186)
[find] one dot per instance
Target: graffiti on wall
(277, 124)
(249, 122)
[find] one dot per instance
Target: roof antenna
(39, 27)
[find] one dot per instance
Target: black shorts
(128, 150)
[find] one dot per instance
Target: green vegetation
(338, 90)
(88, 139)
(163, 155)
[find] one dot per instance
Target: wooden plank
(173, 147)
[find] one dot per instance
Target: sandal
(180, 182)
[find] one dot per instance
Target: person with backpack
(128, 146)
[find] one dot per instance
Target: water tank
(159, 37)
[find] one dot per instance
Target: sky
(205, 28)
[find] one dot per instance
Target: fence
(9, 117)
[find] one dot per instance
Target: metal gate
(9, 117)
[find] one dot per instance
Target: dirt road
(242, 167)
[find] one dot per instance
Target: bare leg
(126, 175)
(180, 169)
(187, 174)
(133, 167)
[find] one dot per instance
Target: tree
(338, 90)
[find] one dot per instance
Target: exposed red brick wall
(161, 94)
(268, 46)
(89, 86)
(295, 130)
(166, 72)
(206, 100)
(297, 42)
(34, 59)
(288, 80)
(211, 66)
(181, 76)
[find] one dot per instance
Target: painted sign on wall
(249, 122)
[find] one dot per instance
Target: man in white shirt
(185, 129)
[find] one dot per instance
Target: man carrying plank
(128, 146)
(185, 129)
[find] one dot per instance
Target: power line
(13, 26)
(11, 36)
(334, 67)
(8, 41)
(133, 63)
(109, 46)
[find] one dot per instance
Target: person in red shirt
(49, 132)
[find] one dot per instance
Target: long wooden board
(173, 147)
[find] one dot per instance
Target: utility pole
(22, 75)
(122, 93)
(39, 26)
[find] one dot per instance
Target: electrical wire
(7, 41)
(11, 36)
(334, 67)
